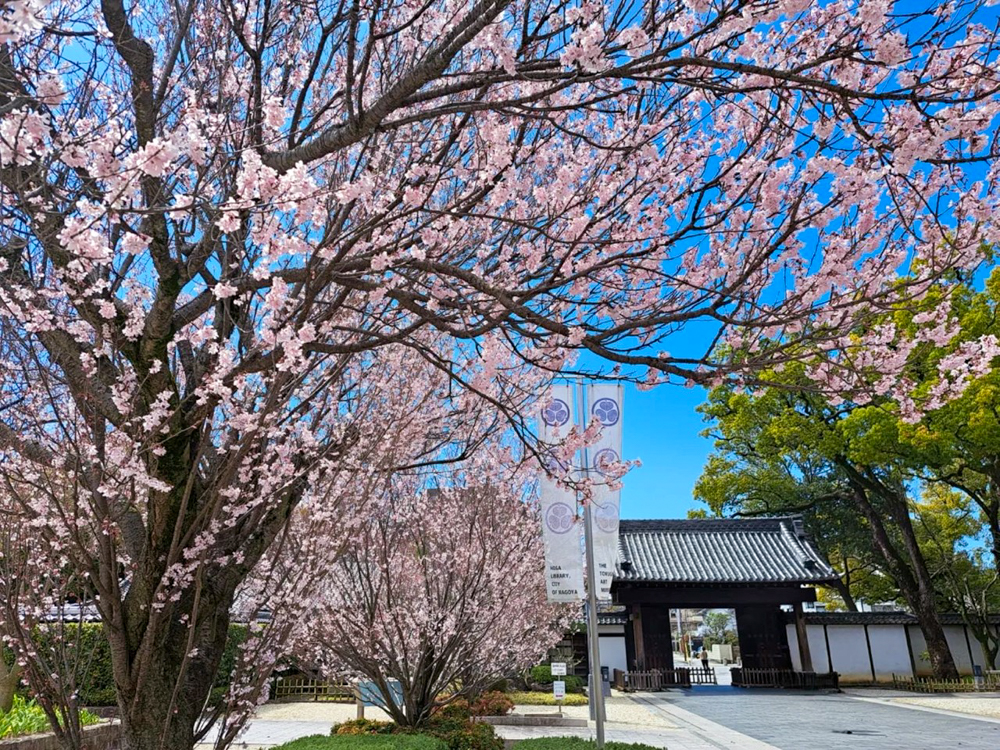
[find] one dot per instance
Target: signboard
(558, 669)
(561, 528)
(605, 404)
(559, 690)
(370, 694)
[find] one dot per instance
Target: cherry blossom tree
(441, 590)
(231, 229)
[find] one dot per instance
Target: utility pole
(593, 639)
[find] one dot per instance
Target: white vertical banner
(561, 528)
(604, 403)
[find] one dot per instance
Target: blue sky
(661, 428)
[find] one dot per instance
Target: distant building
(754, 566)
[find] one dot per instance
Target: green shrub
(576, 743)
(538, 698)
(364, 742)
(95, 679)
(452, 728)
(457, 709)
(542, 675)
(27, 717)
(491, 704)
(473, 735)
(356, 727)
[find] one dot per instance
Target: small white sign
(559, 690)
(558, 668)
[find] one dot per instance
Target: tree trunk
(910, 572)
(844, 592)
(925, 600)
(9, 677)
(161, 707)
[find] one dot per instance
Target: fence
(783, 678)
(301, 688)
(703, 676)
(990, 682)
(661, 679)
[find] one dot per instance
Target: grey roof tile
(720, 550)
(881, 618)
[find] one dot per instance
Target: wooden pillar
(801, 636)
(640, 652)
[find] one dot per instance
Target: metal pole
(597, 686)
(593, 639)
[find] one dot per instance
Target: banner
(561, 529)
(604, 402)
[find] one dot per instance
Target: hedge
(542, 675)
(576, 743)
(451, 725)
(365, 742)
(538, 698)
(95, 678)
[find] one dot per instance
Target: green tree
(786, 449)
(719, 628)
(951, 534)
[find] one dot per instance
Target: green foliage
(542, 675)
(575, 743)
(87, 649)
(471, 735)
(27, 717)
(364, 726)
(538, 698)
(364, 742)
(451, 726)
(491, 704)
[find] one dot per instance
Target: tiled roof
(720, 550)
(880, 618)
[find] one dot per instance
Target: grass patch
(538, 698)
(27, 717)
(365, 742)
(576, 743)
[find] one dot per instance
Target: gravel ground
(332, 712)
(620, 709)
(979, 706)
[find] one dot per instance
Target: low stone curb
(529, 720)
(104, 736)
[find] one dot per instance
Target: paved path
(721, 718)
(792, 721)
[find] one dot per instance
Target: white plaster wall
(817, 647)
(955, 635)
(849, 652)
(613, 652)
(889, 652)
(977, 652)
(918, 645)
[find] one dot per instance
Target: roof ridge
(760, 549)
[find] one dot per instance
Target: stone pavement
(655, 723)
(788, 720)
(688, 731)
(715, 718)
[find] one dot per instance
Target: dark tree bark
(9, 677)
(908, 567)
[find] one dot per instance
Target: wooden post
(805, 657)
(640, 651)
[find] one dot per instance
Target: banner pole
(593, 639)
